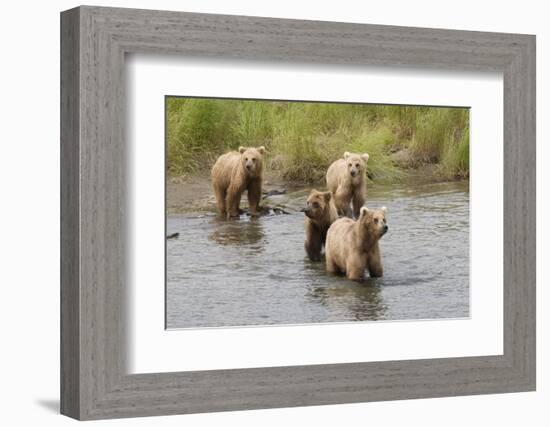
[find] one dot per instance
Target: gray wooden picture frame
(94, 381)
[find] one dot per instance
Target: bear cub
(235, 172)
(352, 246)
(346, 180)
(320, 213)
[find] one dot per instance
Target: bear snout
(385, 229)
(353, 173)
(307, 211)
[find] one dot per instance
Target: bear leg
(313, 244)
(342, 202)
(374, 262)
(355, 269)
(355, 274)
(220, 200)
(232, 202)
(331, 265)
(358, 201)
(254, 196)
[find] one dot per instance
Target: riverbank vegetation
(303, 138)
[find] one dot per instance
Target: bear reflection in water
(239, 233)
(351, 300)
(344, 299)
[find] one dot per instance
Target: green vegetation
(302, 138)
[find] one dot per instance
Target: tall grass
(302, 139)
(442, 137)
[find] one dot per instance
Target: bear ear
(261, 149)
(366, 157)
(242, 150)
(346, 154)
(364, 210)
(384, 209)
(327, 195)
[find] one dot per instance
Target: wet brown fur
(320, 214)
(352, 246)
(230, 178)
(347, 189)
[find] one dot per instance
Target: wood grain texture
(70, 258)
(94, 272)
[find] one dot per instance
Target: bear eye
(350, 165)
(315, 204)
(246, 159)
(376, 220)
(357, 165)
(253, 159)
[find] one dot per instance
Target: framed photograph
(261, 213)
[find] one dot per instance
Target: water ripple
(254, 272)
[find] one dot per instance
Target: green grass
(302, 139)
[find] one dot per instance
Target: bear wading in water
(320, 213)
(232, 174)
(346, 181)
(352, 246)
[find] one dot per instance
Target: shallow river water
(255, 272)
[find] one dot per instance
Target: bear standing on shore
(235, 172)
(346, 181)
(352, 246)
(320, 213)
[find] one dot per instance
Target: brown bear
(320, 214)
(352, 246)
(346, 180)
(235, 172)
